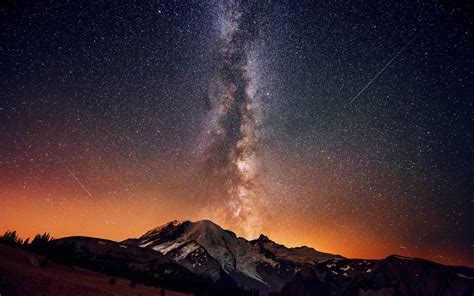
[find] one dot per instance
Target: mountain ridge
(211, 251)
(210, 256)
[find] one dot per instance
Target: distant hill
(21, 274)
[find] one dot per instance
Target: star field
(345, 127)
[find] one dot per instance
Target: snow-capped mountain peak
(207, 249)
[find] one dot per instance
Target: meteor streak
(80, 183)
(381, 71)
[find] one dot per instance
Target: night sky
(346, 127)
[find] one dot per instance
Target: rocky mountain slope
(210, 251)
(202, 258)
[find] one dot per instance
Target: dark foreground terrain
(24, 273)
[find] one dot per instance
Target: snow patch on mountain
(204, 247)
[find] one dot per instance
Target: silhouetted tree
(41, 244)
(11, 238)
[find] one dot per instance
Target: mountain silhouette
(202, 258)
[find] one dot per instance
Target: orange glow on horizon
(118, 222)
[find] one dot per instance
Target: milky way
(232, 155)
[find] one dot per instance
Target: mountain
(204, 259)
(394, 275)
(208, 250)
